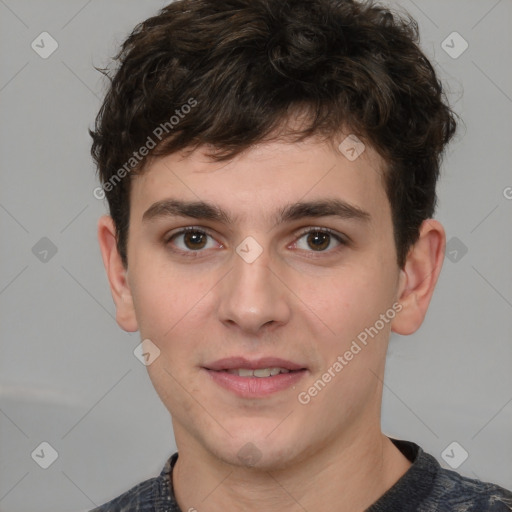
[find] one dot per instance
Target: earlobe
(117, 275)
(419, 276)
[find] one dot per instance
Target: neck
(348, 475)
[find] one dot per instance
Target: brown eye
(319, 240)
(195, 240)
(191, 240)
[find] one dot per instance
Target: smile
(260, 372)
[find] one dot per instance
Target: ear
(419, 276)
(117, 275)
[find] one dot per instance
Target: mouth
(257, 378)
(258, 372)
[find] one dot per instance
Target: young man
(270, 168)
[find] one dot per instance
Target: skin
(292, 302)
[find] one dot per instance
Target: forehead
(263, 179)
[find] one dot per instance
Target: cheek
(350, 297)
(171, 309)
(169, 384)
(162, 296)
(352, 301)
(157, 309)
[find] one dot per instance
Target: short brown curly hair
(242, 67)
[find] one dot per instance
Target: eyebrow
(295, 211)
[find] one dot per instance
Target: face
(287, 263)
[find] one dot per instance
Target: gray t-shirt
(425, 487)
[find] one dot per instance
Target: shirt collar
(416, 483)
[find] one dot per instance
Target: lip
(254, 387)
(230, 363)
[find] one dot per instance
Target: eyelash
(195, 254)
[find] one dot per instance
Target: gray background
(68, 375)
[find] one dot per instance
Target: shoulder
(152, 495)
(458, 493)
(138, 497)
(428, 487)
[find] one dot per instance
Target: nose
(252, 297)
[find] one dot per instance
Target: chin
(258, 451)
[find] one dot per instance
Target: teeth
(260, 372)
(264, 372)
